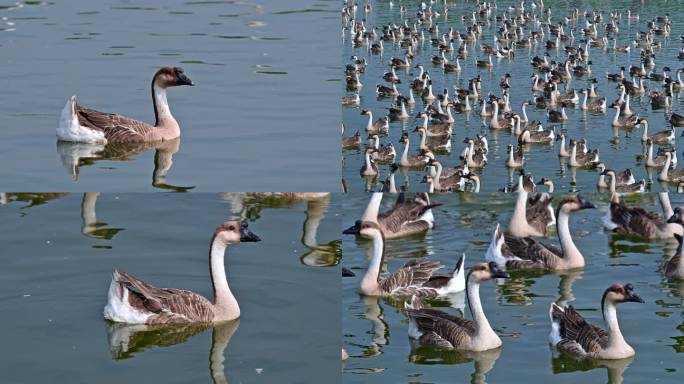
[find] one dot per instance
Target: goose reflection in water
(90, 226)
(249, 205)
(564, 363)
(127, 340)
(76, 155)
(483, 362)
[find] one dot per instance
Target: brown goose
(532, 221)
(133, 301)
(406, 218)
(353, 141)
(625, 177)
(417, 277)
(86, 125)
(437, 328)
(624, 188)
(571, 333)
(640, 222)
(369, 168)
(674, 267)
(528, 253)
(673, 175)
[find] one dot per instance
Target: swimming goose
(625, 188)
(406, 218)
(516, 158)
(674, 267)
(563, 151)
(558, 117)
(353, 141)
(543, 136)
(670, 175)
(378, 127)
(571, 333)
(625, 177)
(596, 105)
(384, 91)
(623, 121)
(383, 153)
(434, 142)
(660, 158)
(548, 183)
(474, 158)
(133, 301)
(528, 253)
(662, 137)
(440, 129)
(369, 168)
(419, 160)
(439, 329)
(417, 277)
(388, 185)
(578, 159)
(533, 220)
(676, 120)
(84, 125)
(444, 183)
(495, 123)
(637, 221)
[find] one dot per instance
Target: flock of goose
(516, 249)
(406, 91)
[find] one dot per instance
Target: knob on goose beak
(585, 204)
(246, 235)
(629, 288)
(497, 273)
(181, 78)
(354, 229)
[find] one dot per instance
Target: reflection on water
(33, 199)
(250, 205)
(91, 227)
(564, 363)
(483, 362)
(77, 155)
(129, 340)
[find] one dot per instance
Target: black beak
(354, 229)
(497, 273)
(585, 204)
(181, 79)
(676, 217)
(540, 182)
(634, 298)
(246, 235)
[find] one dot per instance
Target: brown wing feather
(455, 330)
(117, 128)
(574, 329)
(169, 305)
(410, 278)
(532, 253)
(537, 214)
(634, 220)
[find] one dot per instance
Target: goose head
(676, 217)
(232, 232)
(545, 181)
(171, 77)
(486, 271)
(619, 293)
(574, 203)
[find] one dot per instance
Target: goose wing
(116, 128)
(438, 327)
(634, 219)
(168, 304)
(577, 335)
(410, 278)
(527, 253)
(404, 214)
(537, 214)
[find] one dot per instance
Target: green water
(57, 264)
(375, 330)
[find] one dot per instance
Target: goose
(536, 137)
(380, 126)
(84, 125)
(625, 177)
(670, 175)
(485, 63)
(414, 161)
(676, 120)
(131, 300)
(563, 151)
(674, 267)
(398, 113)
(597, 105)
(474, 159)
(388, 185)
(353, 141)
(558, 117)
(516, 158)
(369, 168)
(439, 130)
(405, 218)
(351, 100)
(513, 252)
(533, 220)
(571, 333)
(628, 188)
(474, 180)
(616, 76)
(548, 183)
(623, 121)
(417, 277)
(495, 123)
(442, 181)
(452, 68)
(384, 91)
(660, 159)
(582, 159)
(662, 137)
(382, 153)
(354, 82)
(434, 143)
(438, 329)
(391, 76)
(637, 221)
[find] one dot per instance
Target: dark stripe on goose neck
(211, 246)
(154, 102)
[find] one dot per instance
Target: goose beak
(497, 273)
(246, 235)
(354, 229)
(676, 217)
(585, 204)
(181, 79)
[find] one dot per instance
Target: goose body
(131, 300)
(674, 267)
(571, 333)
(438, 329)
(532, 221)
(415, 278)
(84, 125)
(527, 253)
(625, 188)
(639, 222)
(673, 175)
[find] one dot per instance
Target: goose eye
(231, 228)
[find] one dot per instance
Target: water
(57, 265)
(375, 330)
(262, 70)
(542, 160)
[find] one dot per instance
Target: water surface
(59, 251)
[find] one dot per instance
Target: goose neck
(615, 338)
(473, 294)
(224, 301)
(572, 256)
(162, 112)
(369, 283)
